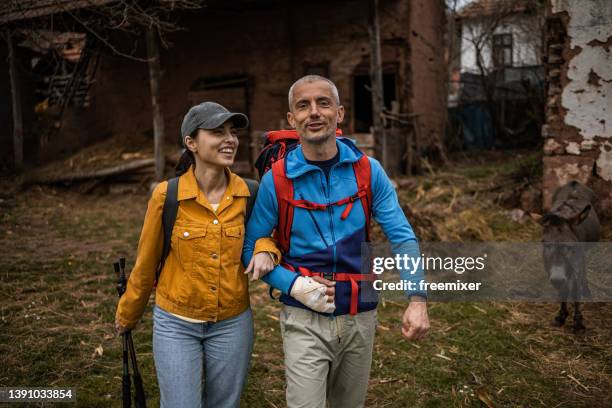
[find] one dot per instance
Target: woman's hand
(119, 329)
(260, 265)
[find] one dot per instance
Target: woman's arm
(140, 284)
(263, 220)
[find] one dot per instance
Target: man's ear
(340, 114)
(291, 119)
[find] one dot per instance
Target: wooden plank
(376, 81)
(16, 102)
(23, 10)
(86, 175)
(158, 119)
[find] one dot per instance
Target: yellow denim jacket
(203, 277)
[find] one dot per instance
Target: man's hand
(415, 323)
(316, 293)
(331, 287)
(260, 265)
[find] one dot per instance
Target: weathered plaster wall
(589, 90)
(579, 120)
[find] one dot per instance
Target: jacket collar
(297, 165)
(188, 185)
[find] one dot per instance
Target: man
(327, 357)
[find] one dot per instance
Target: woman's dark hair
(186, 159)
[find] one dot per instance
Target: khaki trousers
(327, 358)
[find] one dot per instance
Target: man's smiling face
(315, 112)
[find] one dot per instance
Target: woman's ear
(190, 143)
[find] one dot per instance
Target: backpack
(277, 144)
(286, 203)
(272, 157)
(171, 207)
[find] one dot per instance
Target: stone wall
(578, 130)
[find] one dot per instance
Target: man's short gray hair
(313, 78)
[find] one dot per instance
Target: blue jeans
(183, 350)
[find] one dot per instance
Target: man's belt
(338, 277)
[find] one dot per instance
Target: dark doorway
(233, 92)
(362, 101)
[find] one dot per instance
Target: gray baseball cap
(210, 115)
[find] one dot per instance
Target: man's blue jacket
(320, 240)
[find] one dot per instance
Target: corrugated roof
(482, 8)
(15, 10)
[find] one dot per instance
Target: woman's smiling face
(216, 147)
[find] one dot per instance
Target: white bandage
(312, 294)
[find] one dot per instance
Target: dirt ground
(57, 301)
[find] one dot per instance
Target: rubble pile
(471, 200)
(109, 165)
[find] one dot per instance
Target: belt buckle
(328, 275)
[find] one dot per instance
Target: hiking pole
(140, 399)
(125, 379)
(139, 396)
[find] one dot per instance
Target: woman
(202, 323)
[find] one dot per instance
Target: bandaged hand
(316, 293)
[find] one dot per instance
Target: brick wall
(273, 45)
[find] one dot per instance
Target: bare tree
(483, 27)
(104, 23)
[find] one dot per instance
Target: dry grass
(57, 301)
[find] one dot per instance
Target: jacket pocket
(233, 238)
(186, 243)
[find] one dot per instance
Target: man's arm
(388, 213)
(263, 220)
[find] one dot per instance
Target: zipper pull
(347, 210)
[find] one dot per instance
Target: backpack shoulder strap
(253, 186)
(283, 187)
(363, 175)
(168, 218)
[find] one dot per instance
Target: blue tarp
(476, 125)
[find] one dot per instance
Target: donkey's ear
(582, 215)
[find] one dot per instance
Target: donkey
(569, 224)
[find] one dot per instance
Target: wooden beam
(123, 168)
(376, 82)
(158, 118)
(16, 102)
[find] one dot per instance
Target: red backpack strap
(284, 196)
(274, 136)
(363, 174)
